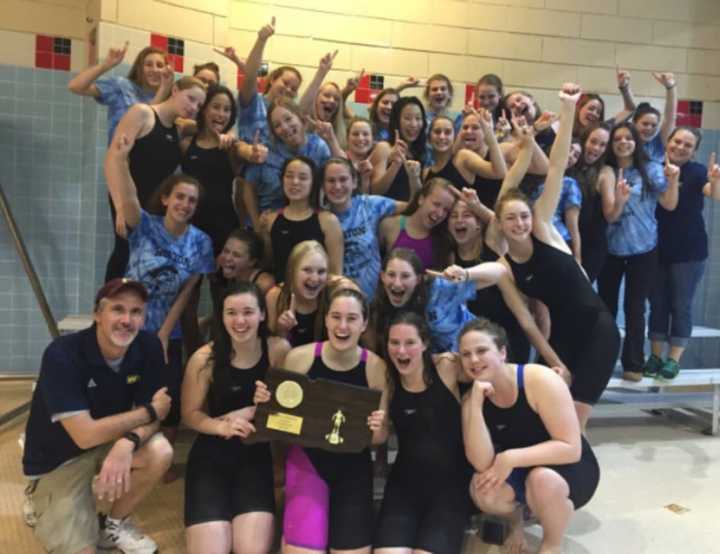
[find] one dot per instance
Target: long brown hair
(136, 73)
(441, 240)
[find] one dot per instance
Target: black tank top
(487, 190)
(215, 214)
(400, 187)
(237, 387)
(592, 223)
(285, 234)
(429, 431)
(517, 426)
(554, 277)
(153, 158)
(355, 376)
(304, 331)
(451, 173)
(335, 465)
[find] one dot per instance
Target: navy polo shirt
(681, 232)
(74, 376)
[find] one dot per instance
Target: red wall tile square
(43, 60)
(176, 61)
(159, 41)
(43, 43)
(362, 95)
(61, 61)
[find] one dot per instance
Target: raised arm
(670, 113)
(252, 64)
(84, 82)
(614, 193)
(496, 167)
(712, 187)
(670, 196)
(623, 83)
(307, 101)
(386, 161)
(546, 205)
(527, 145)
(134, 124)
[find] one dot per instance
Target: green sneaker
(652, 366)
(669, 369)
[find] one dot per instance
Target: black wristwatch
(133, 437)
(151, 412)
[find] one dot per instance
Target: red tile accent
(362, 96)
(61, 61)
(159, 41)
(176, 61)
(43, 60)
(365, 81)
(43, 43)
(470, 93)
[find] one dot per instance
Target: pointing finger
(620, 175)
(256, 138)
(455, 192)
(334, 54)
(292, 303)
(712, 161)
(272, 21)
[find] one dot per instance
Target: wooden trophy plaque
(315, 412)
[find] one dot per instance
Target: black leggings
(589, 352)
(416, 515)
(639, 272)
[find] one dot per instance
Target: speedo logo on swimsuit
(500, 427)
(529, 278)
(91, 383)
(170, 138)
(236, 388)
(410, 411)
(132, 379)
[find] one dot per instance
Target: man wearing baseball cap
(99, 400)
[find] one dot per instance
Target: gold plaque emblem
(333, 437)
(289, 394)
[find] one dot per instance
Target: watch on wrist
(151, 412)
(134, 438)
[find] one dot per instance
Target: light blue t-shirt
(635, 231)
(267, 177)
(163, 263)
(570, 197)
(119, 94)
(655, 149)
(447, 312)
(253, 117)
(359, 224)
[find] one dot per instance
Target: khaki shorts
(65, 506)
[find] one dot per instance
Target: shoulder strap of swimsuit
(521, 376)
(402, 222)
(318, 349)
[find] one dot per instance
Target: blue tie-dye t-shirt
(267, 177)
(359, 224)
(447, 312)
(635, 231)
(163, 262)
(119, 94)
